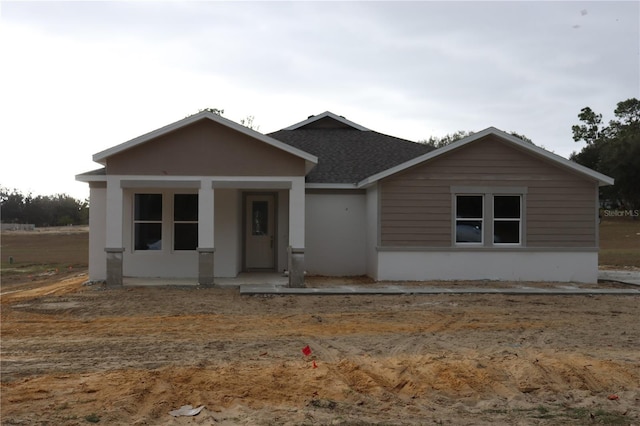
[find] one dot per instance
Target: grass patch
(35, 253)
(620, 242)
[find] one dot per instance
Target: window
(185, 221)
(148, 221)
(469, 218)
(507, 214)
(260, 218)
(489, 216)
(154, 228)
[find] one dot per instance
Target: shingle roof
(348, 155)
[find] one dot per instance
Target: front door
(260, 231)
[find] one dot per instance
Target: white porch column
(296, 232)
(206, 230)
(114, 246)
(296, 213)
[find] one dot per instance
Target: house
(205, 197)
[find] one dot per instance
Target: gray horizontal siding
(415, 205)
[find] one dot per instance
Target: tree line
(42, 210)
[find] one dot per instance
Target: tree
(614, 150)
(215, 111)
(439, 142)
(248, 122)
(55, 210)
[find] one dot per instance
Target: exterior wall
(416, 205)
(155, 263)
(562, 266)
(373, 210)
(205, 148)
(97, 232)
(336, 237)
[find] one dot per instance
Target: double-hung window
(488, 216)
(469, 218)
(165, 221)
(147, 221)
(507, 219)
(185, 221)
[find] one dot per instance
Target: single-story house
(206, 197)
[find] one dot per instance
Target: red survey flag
(306, 350)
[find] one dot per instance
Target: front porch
(236, 225)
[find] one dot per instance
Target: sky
(79, 77)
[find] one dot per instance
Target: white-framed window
(488, 216)
(469, 219)
(507, 219)
(185, 221)
(147, 221)
(165, 220)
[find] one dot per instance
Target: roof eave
(91, 177)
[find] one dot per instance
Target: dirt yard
(75, 355)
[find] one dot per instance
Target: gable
(511, 141)
(326, 120)
(205, 148)
(325, 123)
(493, 161)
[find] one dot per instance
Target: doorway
(259, 232)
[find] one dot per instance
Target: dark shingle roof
(348, 155)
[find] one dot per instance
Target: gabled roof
(102, 156)
(317, 119)
(526, 146)
(347, 154)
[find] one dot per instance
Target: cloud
(79, 77)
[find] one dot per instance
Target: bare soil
(74, 355)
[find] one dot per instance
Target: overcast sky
(79, 77)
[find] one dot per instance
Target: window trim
(489, 220)
(167, 222)
(503, 219)
(135, 221)
(466, 219)
(174, 222)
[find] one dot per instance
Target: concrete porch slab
(257, 279)
(621, 276)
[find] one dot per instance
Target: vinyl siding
(559, 204)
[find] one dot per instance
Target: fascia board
(330, 186)
(601, 178)
(102, 156)
(90, 178)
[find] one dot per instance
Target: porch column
(114, 246)
(206, 240)
(296, 232)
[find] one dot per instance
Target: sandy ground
(74, 354)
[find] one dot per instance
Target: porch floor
(244, 278)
